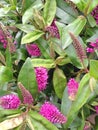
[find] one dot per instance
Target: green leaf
(10, 123)
(13, 2)
(92, 5)
(21, 54)
(40, 123)
(44, 47)
(32, 36)
(82, 96)
(49, 11)
(57, 46)
(5, 74)
(94, 68)
(25, 27)
(5, 112)
(75, 27)
(66, 103)
(47, 63)
(71, 13)
(29, 12)
(91, 20)
(59, 82)
(27, 77)
(8, 59)
(85, 6)
(26, 4)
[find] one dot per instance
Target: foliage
(62, 30)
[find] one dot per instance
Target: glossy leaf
(13, 2)
(66, 103)
(27, 77)
(75, 27)
(44, 47)
(81, 98)
(12, 122)
(49, 11)
(8, 59)
(91, 20)
(94, 68)
(29, 12)
(40, 123)
(26, 4)
(25, 27)
(93, 37)
(59, 82)
(5, 74)
(47, 63)
(5, 112)
(85, 6)
(32, 36)
(65, 9)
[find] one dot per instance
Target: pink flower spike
(52, 113)
(11, 101)
(72, 88)
(33, 50)
(41, 77)
(27, 97)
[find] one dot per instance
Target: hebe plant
(48, 64)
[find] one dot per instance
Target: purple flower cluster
(53, 30)
(3, 39)
(72, 88)
(33, 50)
(41, 77)
(51, 113)
(95, 14)
(93, 46)
(10, 101)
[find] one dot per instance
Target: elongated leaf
(32, 36)
(71, 12)
(66, 103)
(27, 77)
(27, 4)
(94, 68)
(11, 123)
(47, 63)
(85, 6)
(5, 112)
(40, 123)
(59, 82)
(81, 98)
(25, 27)
(13, 2)
(93, 37)
(49, 11)
(75, 27)
(29, 12)
(5, 74)
(8, 59)
(44, 47)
